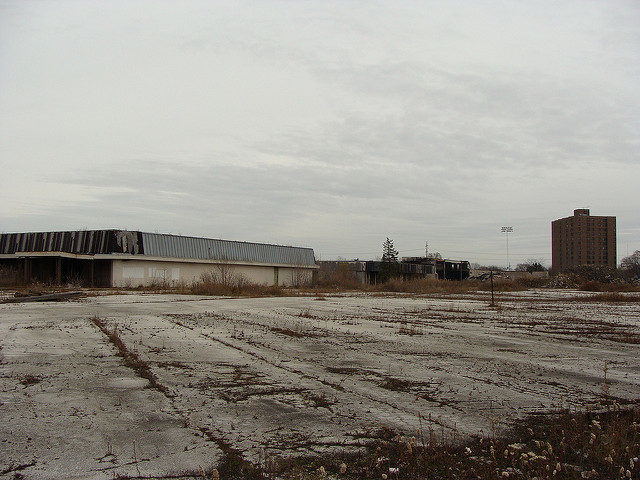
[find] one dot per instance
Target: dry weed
(606, 297)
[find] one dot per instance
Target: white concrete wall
(296, 277)
(132, 273)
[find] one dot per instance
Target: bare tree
(531, 265)
(630, 266)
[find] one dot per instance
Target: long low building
(372, 272)
(117, 258)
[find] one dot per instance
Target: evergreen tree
(390, 268)
(389, 254)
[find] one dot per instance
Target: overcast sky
(325, 124)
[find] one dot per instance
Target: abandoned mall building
(118, 258)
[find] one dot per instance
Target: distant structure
(116, 258)
(583, 240)
(444, 269)
(372, 272)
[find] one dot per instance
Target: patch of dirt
(29, 380)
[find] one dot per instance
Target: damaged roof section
(85, 242)
(103, 242)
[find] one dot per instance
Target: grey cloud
(421, 123)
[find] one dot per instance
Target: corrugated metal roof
(162, 245)
(92, 242)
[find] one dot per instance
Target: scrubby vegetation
(594, 286)
(345, 280)
(211, 285)
(10, 277)
(340, 278)
(222, 282)
(561, 446)
(607, 297)
(565, 445)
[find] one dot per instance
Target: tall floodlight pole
(507, 231)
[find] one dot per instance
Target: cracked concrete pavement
(291, 375)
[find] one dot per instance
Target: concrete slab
(293, 375)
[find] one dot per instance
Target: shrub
(340, 278)
(423, 285)
(597, 273)
(210, 284)
(10, 276)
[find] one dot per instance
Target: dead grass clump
(289, 332)
(515, 285)
(410, 330)
(343, 370)
(319, 400)
(209, 288)
(29, 380)
(306, 313)
(595, 286)
(606, 297)
(396, 384)
(175, 364)
(155, 286)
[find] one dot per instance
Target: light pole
(507, 231)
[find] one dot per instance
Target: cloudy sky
(325, 124)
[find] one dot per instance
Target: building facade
(120, 258)
(583, 240)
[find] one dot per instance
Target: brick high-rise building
(583, 240)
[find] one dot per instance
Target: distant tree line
(531, 265)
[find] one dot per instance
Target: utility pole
(426, 249)
(492, 302)
(507, 231)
